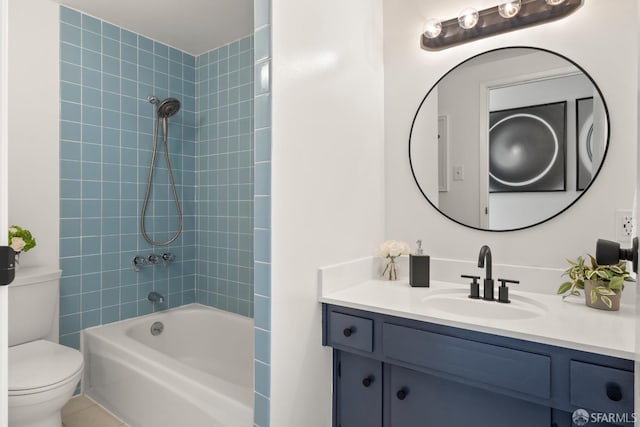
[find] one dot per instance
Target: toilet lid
(39, 364)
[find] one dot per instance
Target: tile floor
(84, 412)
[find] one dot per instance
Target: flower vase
(390, 272)
(16, 264)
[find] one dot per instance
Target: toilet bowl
(42, 374)
(42, 378)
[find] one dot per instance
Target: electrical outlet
(624, 225)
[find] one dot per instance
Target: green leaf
(580, 284)
(607, 301)
(602, 274)
(594, 296)
(564, 287)
(594, 264)
(575, 292)
(616, 269)
(603, 290)
(616, 285)
(616, 281)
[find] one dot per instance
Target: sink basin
(458, 303)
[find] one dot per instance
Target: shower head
(166, 107)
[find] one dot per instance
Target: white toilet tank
(33, 304)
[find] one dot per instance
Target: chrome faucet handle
(168, 258)
(154, 259)
(137, 262)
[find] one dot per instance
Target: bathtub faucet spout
(155, 297)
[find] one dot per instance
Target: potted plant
(602, 284)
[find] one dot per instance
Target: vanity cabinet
(396, 372)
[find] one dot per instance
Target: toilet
(42, 373)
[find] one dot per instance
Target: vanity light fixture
(507, 16)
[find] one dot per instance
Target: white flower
(17, 244)
(13, 230)
(392, 248)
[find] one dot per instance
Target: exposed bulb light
(432, 28)
(504, 16)
(468, 18)
(509, 9)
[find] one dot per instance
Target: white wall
(34, 103)
(327, 181)
(609, 56)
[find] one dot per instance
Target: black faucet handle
(475, 286)
(503, 290)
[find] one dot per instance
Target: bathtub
(197, 372)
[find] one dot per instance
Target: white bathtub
(197, 372)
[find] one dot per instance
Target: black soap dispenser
(419, 268)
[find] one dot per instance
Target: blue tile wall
(106, 140)
(105, 148)
(262, 213)
(225, 177)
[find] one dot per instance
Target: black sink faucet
(485, 257)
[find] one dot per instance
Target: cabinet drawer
(601, 388)
(350, 331)
(515, 370)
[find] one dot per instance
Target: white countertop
(566, 323)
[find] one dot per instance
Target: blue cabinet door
(420, 400)
(359, 389)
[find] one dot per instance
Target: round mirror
(509, 139)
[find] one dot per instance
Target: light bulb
(554, 2)
(432, 28)
(468, 18)
(509, 9)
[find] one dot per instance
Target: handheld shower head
(166, 107)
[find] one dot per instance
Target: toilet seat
(41, 365)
